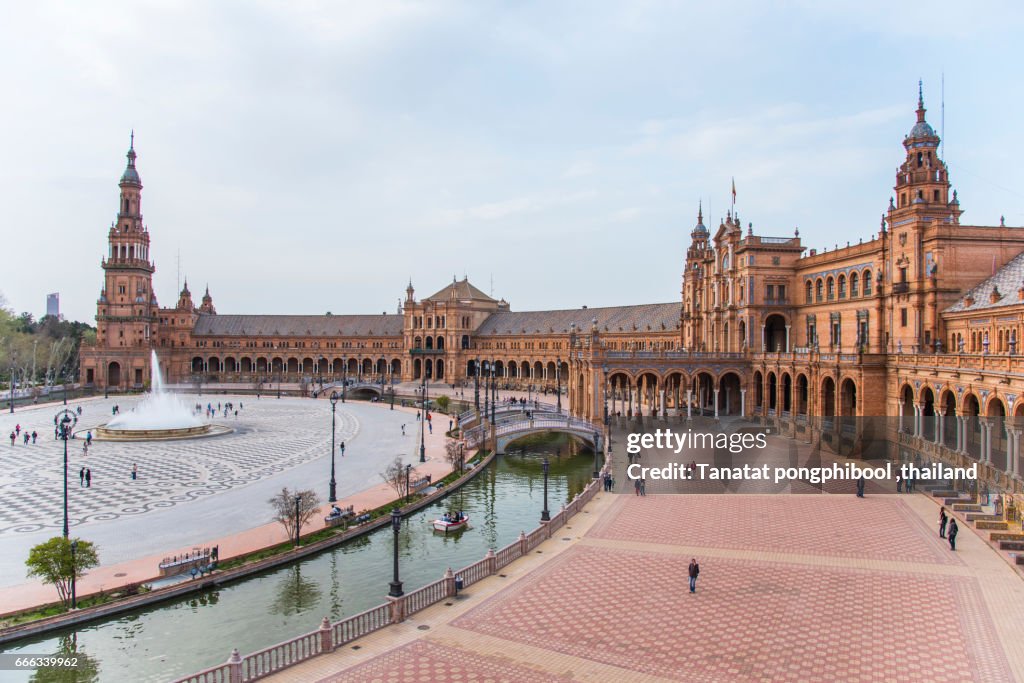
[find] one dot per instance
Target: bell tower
(127, 308)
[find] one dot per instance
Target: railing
(280, 656)
(359, 625)
(900, 287)
(330, 636)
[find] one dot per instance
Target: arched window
(809, 289)
(867, 283)
(842, 286)
(830, 288)
(854, 281)
(818, 288)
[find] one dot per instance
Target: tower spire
(920, 101)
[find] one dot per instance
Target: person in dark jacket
(943, 519)
(694, 571)
(952, 534)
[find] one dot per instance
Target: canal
(176, 638)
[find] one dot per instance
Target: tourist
(88, 437)
(451, 423)
(88, 478)
(943, 519)
(430, 426)
(899, 484)
(13, 438)
(643, 486)
(79, 411)
(636, 486)
(694, 572)
(27, 437)
(135, 471)
(85, 448)
(17, 429)
(860, 486)
(81, 477)
(953, 530)
(403, 430)
(34, 435)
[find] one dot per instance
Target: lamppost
(298, 499)
(320, 370)
(423, 418)
(494, 390)
(487, 389)
(605, 369)
(545, 516)
(408, 469)
(462, 456)
(558, 380)
(476, 384)
(66, 421)
(12, 384)
(74, 577)
(396, 526)
(597, 449)
(333, 497)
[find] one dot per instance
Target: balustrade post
(326, 642)
(522, 544)
(397, 608)
(449, 582)
(235, 667)
(492, 561)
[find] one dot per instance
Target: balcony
(426, 352)
(776, 301)
(901, 288)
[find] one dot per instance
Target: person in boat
(461, 516)
(446, 518)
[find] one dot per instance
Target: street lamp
(74, 577)
(487, 390)
(333, 491)
(558, 380)
(545, 516)
(423, 418)
(320, 370)
(476, 384)
(597, 448)
(396, 526)
(344, 377)
(494, 390)
(408, 469)
(605, 369)
(12, 384)
(298, 499)
(391, 375)
(66, 421)
(462, 456)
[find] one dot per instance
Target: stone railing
(329, 637)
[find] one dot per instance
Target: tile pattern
(881, 527)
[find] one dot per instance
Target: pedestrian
(403, 430)
(450, 425)
(943, 519)
(430, 426)
(860, 486)
(27, 437)
(17, 429)
(79, 410)
(643, 486)
(636, 486)
(13, 437)
(81, 477)
(88, 478)
(88, 437)
(135, 471)
(953, 530)
(694, 572)
(34, 435)
(899, 484)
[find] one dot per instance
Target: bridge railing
(331, 636)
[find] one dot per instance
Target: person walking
(27, 437)
(13, 438)
(643, 486)
(943, 519)
(34, 435)
(88, 478)
(81, 477)
(694, 572)
(953, 530)
(636, 486)
(430, 426)
(403, 430)
(860, 486)
(135, 471)
(17, 429)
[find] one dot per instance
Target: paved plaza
(192, 491)
(792, 588)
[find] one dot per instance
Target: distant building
(53, 304)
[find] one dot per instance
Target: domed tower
(922, 181)
(126, 312)
(693, 281)
(207, 306)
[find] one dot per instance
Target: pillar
(743, 402)
(764, 334)
(716, 404)
(661, 398)
(787, 338)
(689, 405)
(899, 407)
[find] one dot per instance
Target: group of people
(225, 408)
(26, 435)
(453, 517)
(948, 528)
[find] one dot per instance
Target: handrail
(359, 625)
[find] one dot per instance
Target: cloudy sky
(311, 156)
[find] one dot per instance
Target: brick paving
(792, 588)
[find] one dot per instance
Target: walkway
(792, 587)
(164, 512)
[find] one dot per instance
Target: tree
(283, 505)
(453, 453)
(51, 562)
(395, 476)
(443, 402)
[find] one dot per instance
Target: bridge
(503, 410)
(351, 387)
(516, 426)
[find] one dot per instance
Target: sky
(305, 157)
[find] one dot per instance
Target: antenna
(179, 269)
(942, 125)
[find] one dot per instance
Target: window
(903, 274)
(818, 289)
(808, 294)
(867, 283)
(782, 292)
(854, 279)
(842, 286)
(771, 293)
(831, 288)
(903, 317)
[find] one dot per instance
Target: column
(763, 336)
(940, 427)
(1009, 451)
(899, 407)
(918, 420)
(689, 405)
(661, 397)
(787, 338)
(716, 404)
(728, 400)
(743, 402)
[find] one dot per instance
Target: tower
(127, 307)
(693, 283)
(922, 181)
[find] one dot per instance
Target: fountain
(161, 415)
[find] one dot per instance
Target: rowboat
(441, 525)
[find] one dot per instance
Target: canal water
(176, 638)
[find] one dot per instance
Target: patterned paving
(881, 528)
(423, 661)
(750, 620)
(270, 437)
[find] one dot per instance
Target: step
(966, 507)
(1006, 536)
(982, 517)
(1020, 559)
(1011, 545)
(996, 526)
(949, 502)
(944, 493)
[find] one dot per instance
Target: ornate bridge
(515, 426)
(352, 387)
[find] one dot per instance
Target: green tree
(443, 402)
(51, 562)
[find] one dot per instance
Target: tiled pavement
(799, 588)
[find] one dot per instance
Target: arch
(808, 292)
(417, 368)
(971, 409)
(524, 368)
(848, 398)
(428, 369)
(773, 392)
(197, 364)
(758, 389)
(787, 393)
(470, 368)
(842, 286)
(439, 369)
(949, 432)
(261, 364)
(928, 413)
(867, 282)
(293, 365)
(513, 369)
(819, 288)
(499, 369)
(213, 364)
(366, 367)
(538, 371)
(729, 396)
(417, 342)
(743, 334)
(906, 400)
(307, 366)
(550, 367)
(381, 367)
(704, 385)
(465, 341)
(647, 385)
(801, 394)
(996, 413)
(828, 397)
(246, 365)
(440, 343)
(322, 366)
(854, 284)
(775, 333)
(430, 343)
(396, 367)
(277, 364)
(230, 364)
(352, 366)
(830, 288)
(113, 374)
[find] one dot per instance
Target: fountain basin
(105, 433)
